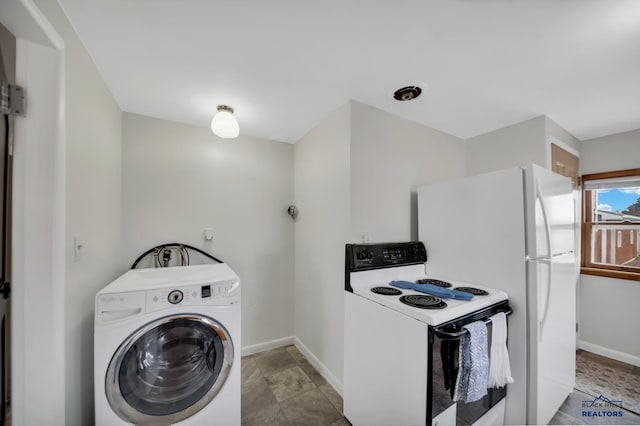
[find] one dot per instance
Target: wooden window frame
(587, 267)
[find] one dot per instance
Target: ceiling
(285, 65)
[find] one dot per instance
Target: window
(611, 224)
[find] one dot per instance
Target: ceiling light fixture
(407, 93)
(224, 123)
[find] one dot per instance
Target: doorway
(7, 78)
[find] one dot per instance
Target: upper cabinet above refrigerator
(565, 163)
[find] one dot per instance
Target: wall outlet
(363, 237)
(208, 234)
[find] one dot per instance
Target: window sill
(610, 273)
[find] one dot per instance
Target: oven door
(443, 371)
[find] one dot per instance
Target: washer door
(169, 369)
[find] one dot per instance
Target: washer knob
(175, 296)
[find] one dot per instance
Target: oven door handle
(455, 335)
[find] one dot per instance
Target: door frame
(38, 246)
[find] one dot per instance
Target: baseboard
(265, 346)
(318, 365)
(609, 353)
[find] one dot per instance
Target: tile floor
(600, 375)
(570, 413)
(280, 387)
(617, 380)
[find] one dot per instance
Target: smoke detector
(407, 93)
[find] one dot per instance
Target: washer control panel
(221, 293)
(119, 306)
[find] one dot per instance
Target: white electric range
(393, 364)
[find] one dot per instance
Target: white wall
(390, 158)
(179, 179)
(356, 173)
(608, 305)
(322, 228)
(615, 152)
(517, 145)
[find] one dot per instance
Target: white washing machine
(167, 347)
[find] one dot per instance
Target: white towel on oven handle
(499, 365)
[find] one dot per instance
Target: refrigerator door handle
(547, 229)
(544, 259)
(546, 301)
(545, 218)
(543, 318)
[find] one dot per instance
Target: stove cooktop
(371, 267)
(364, 283)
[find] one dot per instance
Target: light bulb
(224, 124)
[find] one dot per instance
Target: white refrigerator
(514, 230)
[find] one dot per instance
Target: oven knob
(175, 296)
(369, 255)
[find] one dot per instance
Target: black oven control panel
(362, 257)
